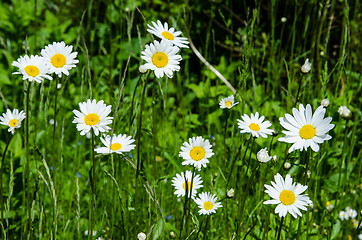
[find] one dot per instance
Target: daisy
(304, 129)
(167, 34)
(93, 115)
(255, 125)
(351, 212)
(228, 102)
(207, 203)
(116, 144)
(329, 206)
(12, 119)
(33, 68)
(287, 195)
(161, 58)
(196, 152)
(343, 215)
(180, 184)
(59, 58)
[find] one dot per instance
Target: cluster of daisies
(56, 58)
(162, 56)
(347, 214)
(196, 153)
(93, 118)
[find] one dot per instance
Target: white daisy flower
(59, 58)
(161, 58)
(207, 203)
(33, 68)
(306, 66)
(180, 184)
(343, 215)
(92, 115)
(255, 125)
(304, 129)
(168, 34)
(287, 195)
(196, 152)
(228, 102)
(351, 213)
(263, 155)
(329, 206)
(12, 119)
(116, 144)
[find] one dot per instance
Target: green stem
(225, 130)
(93, 182)
(55, 121)
(280, 228)
(206, 225)
(27, 169)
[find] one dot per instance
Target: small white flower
(343, 216)
(59, 58)
(287, 165)
(141, 236)
(230, 193)
(255, 125)
(329, 206)
(142, 69)
(228, 102)
(344, 111)
(33, 68)
(196, 152)
(180, 184)
(306, 66)
(351, 213)
(283, 19)
(263, 155)
(207, 203)
(161, 58)
(275, 158)
(92, 115)
(325, 102)
(12, 119)
(360, 236)
(287, 195)
(167, 34)
(116, 144)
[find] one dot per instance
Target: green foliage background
(249, 44)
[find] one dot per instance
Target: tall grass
(252, 50)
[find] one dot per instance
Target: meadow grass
(54, 186)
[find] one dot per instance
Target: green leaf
(336, 229)
(158, 229)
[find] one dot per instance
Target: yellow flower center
(228, 104)
(58, 60)
(307, 131)
(160, 59)
(168, 35)
(254, 127)
(91, 119)
(13, 122)
(188, 186)
(32, 70)
(287, 197)
(208, 205)
(197, 153)
(328, 203)
(115, 146)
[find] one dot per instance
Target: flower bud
(230, 193)
(306, 66)
(344, 111)
(141, 236)
(325, 102)
(287, 165)
(263, 155)
(142, 69)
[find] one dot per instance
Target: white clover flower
(306, 66)
(287, 195)
(196, 153)
(33, 68)
(12, 119)
(344, 111)
(168, 34)
(116, 144)
(255, 125)
(263, 155)
(161, 58)
(92, 115)
(325, 102)
(305, 129)
(207, 203)
(228, 102)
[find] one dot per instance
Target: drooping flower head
(228, 102)
(263, 155)
(161, 58)
(180, 184)
(59, 58)
(255, 125)
(307, 66)
(116, 144)
(32, 68)
(196, 152)
(12, 119)
(287, 195)
(305, 129)
(92, 115)
(168, 34)
(207, 203)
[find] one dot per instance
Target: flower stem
(206, 225)
(27, 170)
(93, 182)
(280, 228)
(55, 121)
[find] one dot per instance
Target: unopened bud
(287, 165)
(325, 102)
(230, 193)
(306, 66)
(141, 236)
(142, 69)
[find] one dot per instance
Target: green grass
(249, 45)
